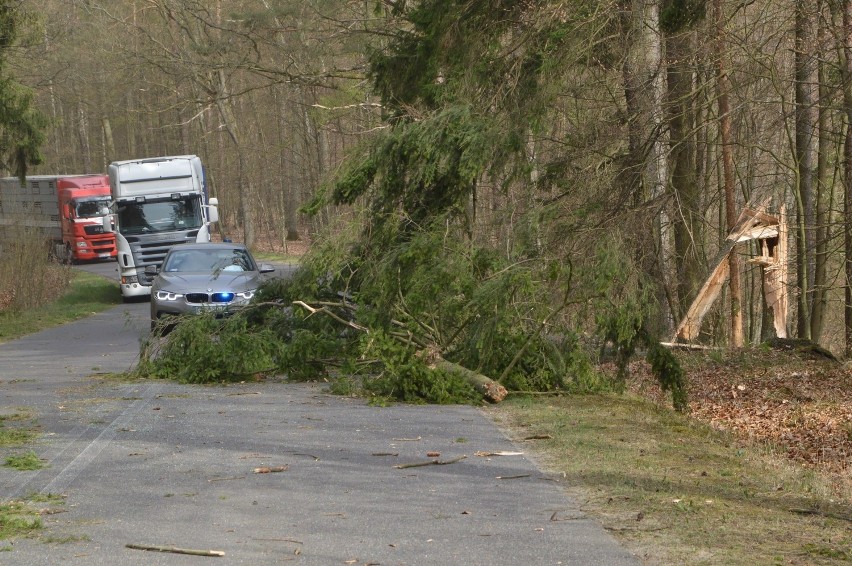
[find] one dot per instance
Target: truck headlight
(82, 244)
(128, 280)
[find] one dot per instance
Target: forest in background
(584, 158)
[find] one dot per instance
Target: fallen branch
(491, 390)
(211, 480)
(175, 550)
(430, 463)
(270, 469)
(332, 314)
(485, 454)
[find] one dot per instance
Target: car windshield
(208, 261)
(159, 216)
(91, 208)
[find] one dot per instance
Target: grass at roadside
(676, 491)
(26, 462)
(21, 431)
(18, 518)
(21, 518)
(87, 294)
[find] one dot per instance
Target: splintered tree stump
(489, 388)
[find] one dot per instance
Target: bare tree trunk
(805, 123)
(288, 203)
(647, 167)
(314, 155)
(823, 189)
(847, 178)
(109, 144)
(244, 188)
(687, 217)
(723, 87)
(83, 136)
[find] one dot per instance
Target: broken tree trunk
(491, 390)
(770, 231)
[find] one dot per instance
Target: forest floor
(798, 403)
(758, 472)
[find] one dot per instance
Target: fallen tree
(491, 390)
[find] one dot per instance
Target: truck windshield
(159, 216)
(90, 208)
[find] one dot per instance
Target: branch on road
(175, 550)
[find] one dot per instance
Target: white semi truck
(157, 203)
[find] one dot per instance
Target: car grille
(199, 298)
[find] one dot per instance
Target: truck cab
(81, 200)
(158, 203)
(66, 210)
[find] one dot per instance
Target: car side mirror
(151, 270)
(266, 268)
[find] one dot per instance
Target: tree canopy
(22, 125)
(549, 178)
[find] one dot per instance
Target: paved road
(157, 463)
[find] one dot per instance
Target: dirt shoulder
(799, 403)
(757, 473)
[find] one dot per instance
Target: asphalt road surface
(155, 463)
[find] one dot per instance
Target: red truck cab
(82, 199)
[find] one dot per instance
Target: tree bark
(805, 82)
(109, 144)
(823, 188)
(244, 188)
(687, 217)
(723, 88)
(490, 389)
(847, 176)
(647, 166)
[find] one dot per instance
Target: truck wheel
(57, 253)
(68, 256)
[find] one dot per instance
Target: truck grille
(150, 253)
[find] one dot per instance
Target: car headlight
(168, 296)
(247, 295)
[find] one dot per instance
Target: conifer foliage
(466, 92)
(21, 124)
